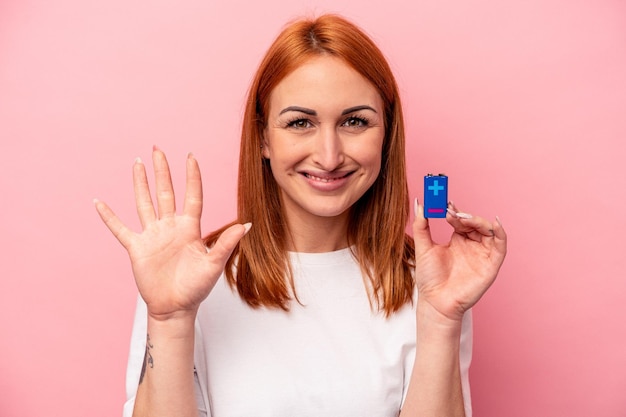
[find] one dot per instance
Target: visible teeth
(320, 179)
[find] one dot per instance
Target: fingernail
(415, 206)
(95, 201)
(464, 216)
(138, 160)
(498, 220)
(189, 155)
(451, 211)
(247, 227)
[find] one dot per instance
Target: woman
(326, 306)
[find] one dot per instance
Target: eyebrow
(298, 109)
(312, 112)
(357, 108)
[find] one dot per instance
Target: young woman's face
(324, 138)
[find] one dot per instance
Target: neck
(318, 234)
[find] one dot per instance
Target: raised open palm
(172, 268)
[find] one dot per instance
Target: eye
(356, 122)
(299, 124)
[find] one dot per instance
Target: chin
(329, 211)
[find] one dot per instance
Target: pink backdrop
(522, 103)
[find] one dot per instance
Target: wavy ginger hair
(259, 267)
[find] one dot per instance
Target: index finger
(143, 200)
(471, 226)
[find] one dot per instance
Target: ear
(265, 149)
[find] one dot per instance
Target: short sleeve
(136, 355)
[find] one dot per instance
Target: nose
(328, 151)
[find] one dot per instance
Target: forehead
(324, 82)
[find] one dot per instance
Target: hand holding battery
(452, 277)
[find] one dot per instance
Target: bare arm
(174, 274)
(166, 385)
(450, 280)
(435, 386)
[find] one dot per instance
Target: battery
(435, 196)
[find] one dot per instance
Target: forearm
(435, 386)
(166, 384)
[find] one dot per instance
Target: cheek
(374, 158)
(370, 155)
(376, 166)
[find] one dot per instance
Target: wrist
(432, 322)
(179, 325)
(171, 313)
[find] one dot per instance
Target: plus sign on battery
(435, 188)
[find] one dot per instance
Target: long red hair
(259, 267)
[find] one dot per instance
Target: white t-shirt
(331, 355)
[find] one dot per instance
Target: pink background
(521, 103)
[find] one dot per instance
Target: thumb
(227, 241)
(421, 230)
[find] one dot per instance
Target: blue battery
(435, 196)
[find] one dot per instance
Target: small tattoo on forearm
(147, 359)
